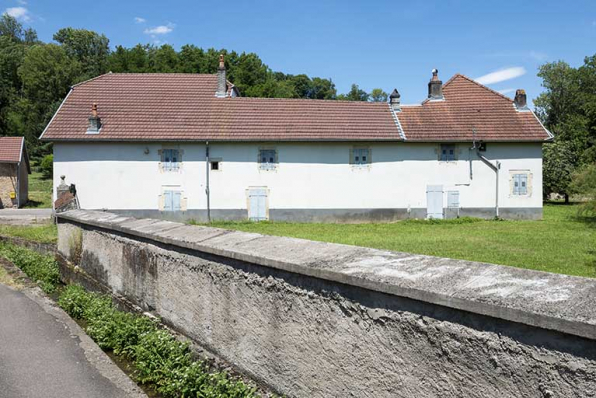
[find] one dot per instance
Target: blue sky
(387, 44)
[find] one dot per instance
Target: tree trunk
(566, 198)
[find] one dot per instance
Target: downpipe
(495, 167)
(207, 190)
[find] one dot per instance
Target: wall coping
(541, 299)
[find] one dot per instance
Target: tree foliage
(584, 184)
(567, 108)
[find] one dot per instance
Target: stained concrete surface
(44, 353)
(541, 299)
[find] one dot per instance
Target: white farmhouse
(188, 146)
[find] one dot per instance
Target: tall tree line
(36, 76)
(567, 108)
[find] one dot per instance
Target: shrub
(159, 358)
(42, 269)
(584, 183)
(46, 166)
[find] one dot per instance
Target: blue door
(434, 201)
(257, 204)
(172, 200)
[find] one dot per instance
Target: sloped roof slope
(183, 107)
(10, 149)
(469, 106)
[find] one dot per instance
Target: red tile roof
(10, 149)
(166, 107)
(469, 106)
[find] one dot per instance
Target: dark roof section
(469, 106)
(183, 107)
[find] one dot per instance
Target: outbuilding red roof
(170, 107)
(470, 107)
(10, 149)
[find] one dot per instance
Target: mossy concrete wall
(312, 319)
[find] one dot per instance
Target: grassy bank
(42, 269)
(44, 233)
(159, 359)
(560, 243)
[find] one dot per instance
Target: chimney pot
(222, 83)
(435, 86)
(394, 100)
(521, 101)
(94, 121)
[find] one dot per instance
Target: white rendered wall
(308, 176)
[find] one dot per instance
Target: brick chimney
(221, 79)
(94, 121)
(435, 87)
(521, 101)
(394, 100)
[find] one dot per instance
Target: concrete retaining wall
(313, 319)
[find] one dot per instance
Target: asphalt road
(25, 216)
(44, 353)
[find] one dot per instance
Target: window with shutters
(448, 153)
(170, 159)
(360, 156)
(267, 159)
(172, 200)
(520, 184)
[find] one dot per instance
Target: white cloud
(507, 91)
(22, 2)
(537, 55)
(160, 30)
(501, 75)
(532, 54)
(20, 13)
(140, 20)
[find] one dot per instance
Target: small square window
(448, 152)
(360, 156)
(170, 159)
(520, 184)
(215, 165)
(267, 159)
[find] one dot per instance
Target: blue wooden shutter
(176, 201)
(167, 204)
(523, 184)
(167, 159)
(174, 159)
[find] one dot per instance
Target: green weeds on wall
(160, 360)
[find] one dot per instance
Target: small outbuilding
(14, 172)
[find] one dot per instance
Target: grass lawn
(40, 190)
(560, 243)
(44, 233)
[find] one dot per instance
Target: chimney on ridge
(521, 101)
(435, 87)
(394, 101)
(94, 121)
(221, 79)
